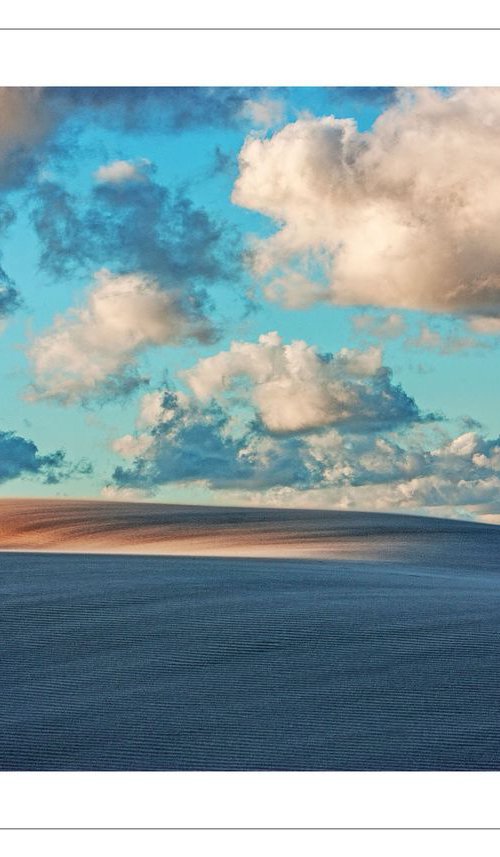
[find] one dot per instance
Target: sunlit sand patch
(88, 526)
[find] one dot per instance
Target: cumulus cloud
(294, 388)
(189, 442)
(164, 252)
(91, 350)
(195, 444)
(303, 449)
(132, 446)
(20, 457)
(403, 215)
(460, 478)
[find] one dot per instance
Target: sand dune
(154, 528)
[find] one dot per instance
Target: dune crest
(93, 526)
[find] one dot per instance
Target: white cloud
(156, 407)
(128, 495)
(130, 446)
(295, 389)
(407, 213)
(486, 326)
(264, 113)
(430, 339)
(459, 479)
(295, 290)
(150, 409)
(122, 171)
(418, 469)
(379, 327)
(92, 349)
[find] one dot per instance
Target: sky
(252, 296)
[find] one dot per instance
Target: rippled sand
(314, 658)
(153, 528)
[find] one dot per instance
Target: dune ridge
(93, 526)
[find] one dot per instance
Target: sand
(94, 526)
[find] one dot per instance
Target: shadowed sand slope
(153, 528)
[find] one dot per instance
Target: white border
(259, 799)
(241, 58)
(267, 58)
(260, 13)
(248, 843)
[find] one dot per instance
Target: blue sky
(151, 241)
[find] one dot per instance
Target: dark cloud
(10, 298)
(154, 107)
(383, 405)
(20, 457)
(377, 96)
(224, 163)
(34, 118)
(190, 444)
(469, 423)
(7, 216)
(136, 226)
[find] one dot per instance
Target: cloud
(154, 108)
(123, 171)
(25, 128)
(34, 121)
(132, 446)
(264, 113)
(130, 495)
(251, 445)
(433, 340)
(91, 350)
(10, 299)
(404, 215)
(485, 326)
(295, 389)
(20, 457)
(296, 289)
(195, 444)
(190, 442)
(378, 96)
(141, 231)
(460, 477)
(131, 225)
(379, 327)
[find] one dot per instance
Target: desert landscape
(93, 526)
